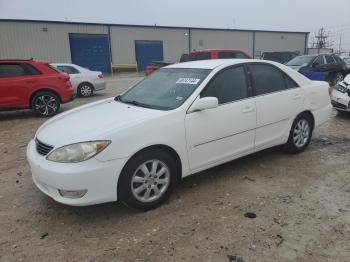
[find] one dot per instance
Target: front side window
(165, 89)
(229, 85)
(329, 59)
(318, 61)
(11, 70)
(68, 69)
(224, 55)
(267, 79)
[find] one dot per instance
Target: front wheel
(147, 179)
(45, 103)
(300, 134)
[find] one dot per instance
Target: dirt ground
(301, 202)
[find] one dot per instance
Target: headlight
(79, 152)
(340, 88)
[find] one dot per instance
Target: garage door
(148, 51)
(90, 51)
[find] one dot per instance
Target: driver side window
(318, 61)
(228, 86)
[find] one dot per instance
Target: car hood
(93, 121)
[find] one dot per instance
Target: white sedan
(341, 95)
(84, 81)
(181, 120)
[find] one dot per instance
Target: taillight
(100, 76)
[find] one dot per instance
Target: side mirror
(347, 79)
(204, 103)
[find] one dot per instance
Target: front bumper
(340, 101)
(98, 178)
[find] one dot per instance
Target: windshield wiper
(133, 102)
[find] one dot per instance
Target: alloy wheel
(85, 90)
(150, 181)
(301, 133)
(46, 105)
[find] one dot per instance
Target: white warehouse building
(96, 46)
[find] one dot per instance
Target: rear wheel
(45, 103)
(147, 179)
(300, 134)
(85, 90)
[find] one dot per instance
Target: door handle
(297, 96)
(248, 109)
(30, 81)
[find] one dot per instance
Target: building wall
(209, 39)
(267, 42)
(26, 40)
(175, 42)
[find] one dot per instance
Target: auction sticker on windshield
(188, 81)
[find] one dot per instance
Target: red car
(30, 84)
(200, 55)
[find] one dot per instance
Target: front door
(223, 133)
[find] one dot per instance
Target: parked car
(31, 84)
(154, 66)
(84, 81)
(280, 57)
(341, 95)
(200, 55)
(324, 67)
(178, 121)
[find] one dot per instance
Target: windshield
(301, 60)
(165, 89)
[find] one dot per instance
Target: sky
(286, 15)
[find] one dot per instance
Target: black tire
(126, 185)
(292, 146)
(85, 90)
(45, 103)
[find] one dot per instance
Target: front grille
(41, 148)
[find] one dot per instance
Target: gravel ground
(301, 202)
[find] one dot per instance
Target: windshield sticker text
(188, 81)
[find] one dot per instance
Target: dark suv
(323, 67)
(30, 84)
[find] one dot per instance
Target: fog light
(72, 193)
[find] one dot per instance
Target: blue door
(90, 51)
(148, 51)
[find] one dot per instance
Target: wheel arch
(45, 89)
(309, 113)
(87, 82)
(165, 148)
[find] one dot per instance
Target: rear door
(278, 99)
(220, 134)
(16, 82)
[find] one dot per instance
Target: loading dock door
(90, 51)
(148, 51)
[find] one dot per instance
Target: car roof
(213, 63)
(214, 50)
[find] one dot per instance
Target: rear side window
(199, 56)
(68, 69)
(329, 59)
(229, 85)
(268, 79)
(11, 70)
(30, 70)
(224, 55)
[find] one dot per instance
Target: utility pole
(340, 40)
(322, 39)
